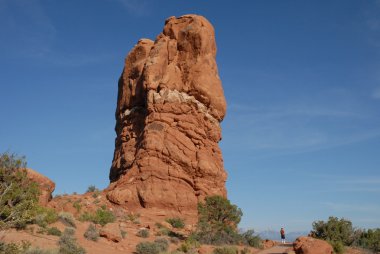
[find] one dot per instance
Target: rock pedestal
(169, 108)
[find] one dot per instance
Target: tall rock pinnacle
(169, 108)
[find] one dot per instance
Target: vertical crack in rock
(169, 108)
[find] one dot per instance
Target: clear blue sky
(301, 140)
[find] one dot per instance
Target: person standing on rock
(282, 233)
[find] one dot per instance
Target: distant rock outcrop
(45, 185)
(309, 245)
(169, 108)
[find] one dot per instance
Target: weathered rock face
(45, 185)
(309, 245)
(170, 105)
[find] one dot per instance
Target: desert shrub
(144, 233)
(92, 188)
(77, 205)
(37, 250)
(245, 251)
(162, 230)
(217, 223)
(45, 216)
(91, 233)
(370, 239)
(123, 234)
(96, 193)
(101, 216)
(14, 248)
(250, 239)
(337, 246)
(226, 250)
(189, 246)
(68, 244)
(54, 231)
(176, 222)
(18, 195)
(334, 230)
(133, 217)
(67, 218)
(147, 248)
(162, 244)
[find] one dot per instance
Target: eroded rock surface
(309, 245)
(45, 185)
(170, 105)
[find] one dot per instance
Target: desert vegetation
(102, 216)
(68, 243)
(340, 233)
(160, 245)
(176, 222)
(18, 196)
(218, 221)
(92, 233)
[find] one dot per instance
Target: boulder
(45, 185)
(111, 232)
(268, 243)
(309, 245)
(169, 108)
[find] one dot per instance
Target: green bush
(245, 251)
(18, 195)
(54, 231)
(91, 233)
(144, 233)
(92, 188)
(189, 246)
(147, 248)
(370, 239)
(162, 230)
(67, 218)
(162, 244)
(101, 216)
(14, 248)
(68, 244)
(250, 239)
(334, 230)
(176, 222)
(218, 220)
(226, 250)
(45, 216)
(337, 246)
(77, 205)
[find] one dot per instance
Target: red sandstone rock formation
(268, 243)
(45, 185)
(170, 105)
(309, 245)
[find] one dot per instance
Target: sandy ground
(280, 249)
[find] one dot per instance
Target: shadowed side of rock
(170, 105)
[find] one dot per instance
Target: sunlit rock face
(169, 108)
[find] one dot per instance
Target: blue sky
(301, 139)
